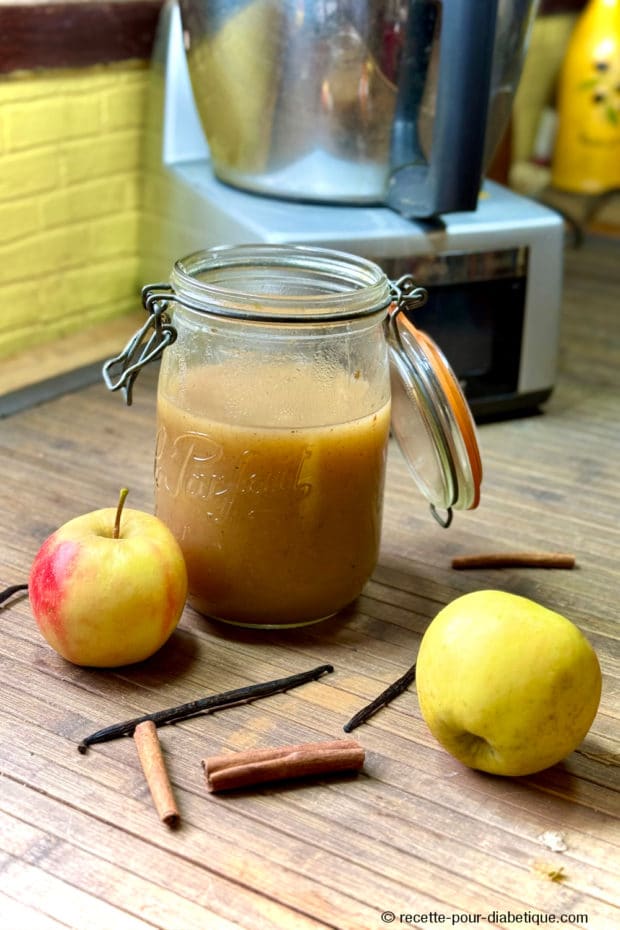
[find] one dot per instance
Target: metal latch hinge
(147, 345)
(407, 295)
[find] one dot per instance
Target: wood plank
(193, 884)
(15, 914)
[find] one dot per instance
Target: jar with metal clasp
(283, 370)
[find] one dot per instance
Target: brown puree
(279, 525)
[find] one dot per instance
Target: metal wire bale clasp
(120, 372)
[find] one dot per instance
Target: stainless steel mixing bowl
(356, 101)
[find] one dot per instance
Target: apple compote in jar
(273, 422)
(284, 370)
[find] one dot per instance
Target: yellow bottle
(587, 149)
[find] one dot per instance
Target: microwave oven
(493, 276)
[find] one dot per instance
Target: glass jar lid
(431, 419)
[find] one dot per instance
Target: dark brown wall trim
(71, 35)
(76, 34)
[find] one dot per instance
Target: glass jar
(275, 400)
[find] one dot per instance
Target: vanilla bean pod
(392, 691)
(9, 592)
(204, 705)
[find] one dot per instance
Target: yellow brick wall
(70, 154)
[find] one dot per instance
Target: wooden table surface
(416, 838)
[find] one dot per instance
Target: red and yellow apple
(108, 588)
(505, 684)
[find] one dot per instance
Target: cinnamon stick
(515, 560)
(255, 766)
(154, 768)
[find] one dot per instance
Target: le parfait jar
(283, 371)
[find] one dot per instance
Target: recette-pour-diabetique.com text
(492, 918)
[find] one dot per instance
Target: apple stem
(119, 510)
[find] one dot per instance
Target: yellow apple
(506, 685)
(108, 587)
